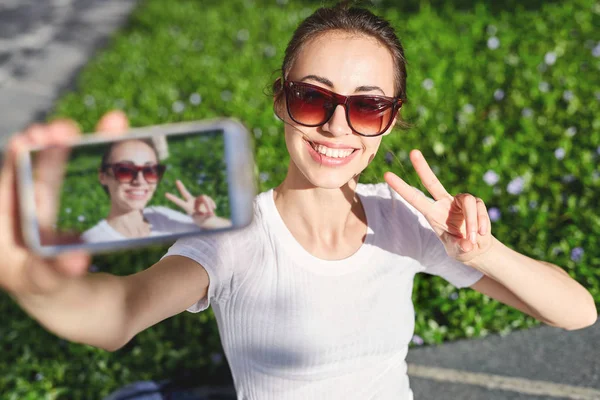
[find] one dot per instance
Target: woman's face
(134, 195)
(348, 65)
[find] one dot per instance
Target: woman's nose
(338, 124)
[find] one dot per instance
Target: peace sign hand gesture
(200, 208)
(461, 222)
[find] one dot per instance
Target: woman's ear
(279, 99)
(102, 177)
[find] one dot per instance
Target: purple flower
(389, 157)
(596, 50)
(516, 186)
(550, 58)
(527, 112)
(469, 109)
(195, 98)
(453, 296)
(577, 254)
(514, 208)
(544, 87)
(499, 94)
(559, 153)
(178, 107)
(494, 213)
(263, 176)
(568, 178)
(489, 140)
(243, 35)
(533, 204)
(418, 340)
(568, 95)
(427, 84)
(493, 43)
(571, 131)
(491, 178)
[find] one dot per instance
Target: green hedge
(505, 104)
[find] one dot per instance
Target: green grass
(510, 89)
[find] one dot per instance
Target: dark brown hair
(353, 20)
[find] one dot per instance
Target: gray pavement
(43, 44)
(564, 364)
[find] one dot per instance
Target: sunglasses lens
(124, 173)
(308, 106)
(151, 174)
(369, 115)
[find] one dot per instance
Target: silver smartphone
(149, 185)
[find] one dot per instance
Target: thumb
(113, 123)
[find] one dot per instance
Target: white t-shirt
(163, 221)
(294, 326)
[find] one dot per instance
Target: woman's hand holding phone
(22, 272)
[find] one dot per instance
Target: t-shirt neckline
(304, 258)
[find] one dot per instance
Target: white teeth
(333, 153)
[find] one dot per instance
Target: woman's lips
(337, 153)
(137, 194)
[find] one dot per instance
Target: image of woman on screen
(130, 173)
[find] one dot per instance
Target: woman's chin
(131, 206)
(331, 180)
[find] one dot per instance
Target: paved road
(43, 43)
(42, 46)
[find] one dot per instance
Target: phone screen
(159, 186)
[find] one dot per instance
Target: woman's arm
(539, 289)
(463, 225)
(107, 311)
(215, 222)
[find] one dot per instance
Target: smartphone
(150, 185)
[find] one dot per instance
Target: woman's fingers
(468, 205)
(212, 203)
(179, 202)
(483, 217)
(204, 205)
(113, 123)
(412, 195)
(8, 193)
(50, 164)
(184, 192)
(427, 176)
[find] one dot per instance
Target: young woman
(130, 173)
(313, 300)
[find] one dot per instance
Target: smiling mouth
(331, 152)
(136, 193)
